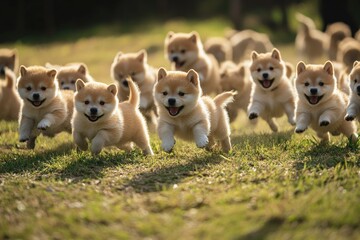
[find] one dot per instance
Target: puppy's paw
(324, 123)
(299, 130)
(24, 138)
(202, 141)
(168, 146)
(44, 124)
(253, 115)
(349, 117)
(292, 121)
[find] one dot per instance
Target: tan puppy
(68, 74)
(349, 52)
(357, 35)
(45, 109)
(320, 104)
(100, 118)
(8, 58)
(134, 66)
(337, 32)
(186, 51)
(219, 47)
(9, 97)
(273, 94)
(236, 77)
(184, 113)
(353, 108)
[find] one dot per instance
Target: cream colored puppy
(273, 93)
(353, 109)
(321, 105)
(184, 113)
(100, 118)
(45, 109)
(9, 97)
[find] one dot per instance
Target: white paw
(201, 141)
(168, 145)
(292, 121)
(44, 124)
(24, 138)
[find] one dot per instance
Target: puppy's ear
(49, 65)
(254, 55)
(14, 54)
(112, 88)
(23, 71)
(300, 67)
(142, 56)
(51, 73)
(193, 77)
(356, 63)
(194, 36)
(79, 84)
(82, 69)
(276, 54)
(329, 68)
(118, 55)
(10, 77)
(161, 73)
(241, 70)
(289, 69)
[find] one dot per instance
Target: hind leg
(226, 144)
(349, 130)
(324, 136)
(143, 142)
(272, 124)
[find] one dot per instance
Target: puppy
(337, 32)
(186, 51)
(236, 77)
(320, 104)
(45, 109)
(220, 48)
(273, 93)
(68, 74)
(353, 108)
(8, 58)
(99, 117)
(349, 52)
(9, 97)
(134, 66)
(184, 113)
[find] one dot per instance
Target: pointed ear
(112, 88)
(161, 73)
(329, 68)
(170, 35)
(241, 70)
(276, 54)
(51, 73)
(254, 55)
(118, 55)
(82, 69)
(14, 54)
(10, 77)
(194, 36)
(193, 77)
(300, 67)
(289, 69)
(79, 84)
(355, 63)
(23, 71)
(142, 56)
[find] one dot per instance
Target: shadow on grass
(270, 226)
(164, 177)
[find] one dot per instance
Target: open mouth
(173, 111)
(313, 99)
(93, 118)
(36, 103)
(179, 64)
(266, 83)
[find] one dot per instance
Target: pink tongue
(173, 110)
(313, 99)
(266, 83)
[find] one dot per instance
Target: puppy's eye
(102, 103)
(72, 81)
(321, 84)
(271, 68)
(307, 84)
(133, 74)
(259, 69)
(28, 88)
(43, 88)
(172, 51)
(183, 51)
(181, 94)
(86, 102)
(164, 93)
(355, 80)
(62, 83)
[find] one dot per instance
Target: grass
(271, 186)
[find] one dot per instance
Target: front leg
(255, 109)
(290, 112)
(351, 112)
(302, 122)
(50, 119)
(102, 139)
(166, 135)
(328, 117)
(80, 141)
(201, 132)
(25, 128)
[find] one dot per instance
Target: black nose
(36, 96)
(125, 83)
(313, 91)
(66, 88)
(358, 88)
(265, 75)
(172, 101)
(175, 59)
(93, 111)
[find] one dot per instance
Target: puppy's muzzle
(93, 117)
(35, 101)
(172, 109)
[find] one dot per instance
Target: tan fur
(321, 105)
(185, 114)
(113, 123)
(267, 100)
(349, 52)
(69, 73)
(357, 35)
(9, 97)
(134, 66)
(245, 41)
(341, 74)
(186, 51)
(353, 108)
(310, 42)
(337, 32)
(9, 58)
(50, 117)
(236, 77)
(219, 47)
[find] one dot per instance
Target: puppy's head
(94, 100)
(315, 83)
(354, 78)
(182, 48)
(67, 76)
(37, 85)
(267, 69)
(176, 93)
(128, 66)
(232, 76)
(9, 59)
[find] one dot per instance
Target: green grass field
(271, 186)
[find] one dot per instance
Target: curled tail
(134, 95)
(224, 98)
(10, 77)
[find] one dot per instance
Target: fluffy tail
(10, 77)
(134, 96)
(224, 98)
